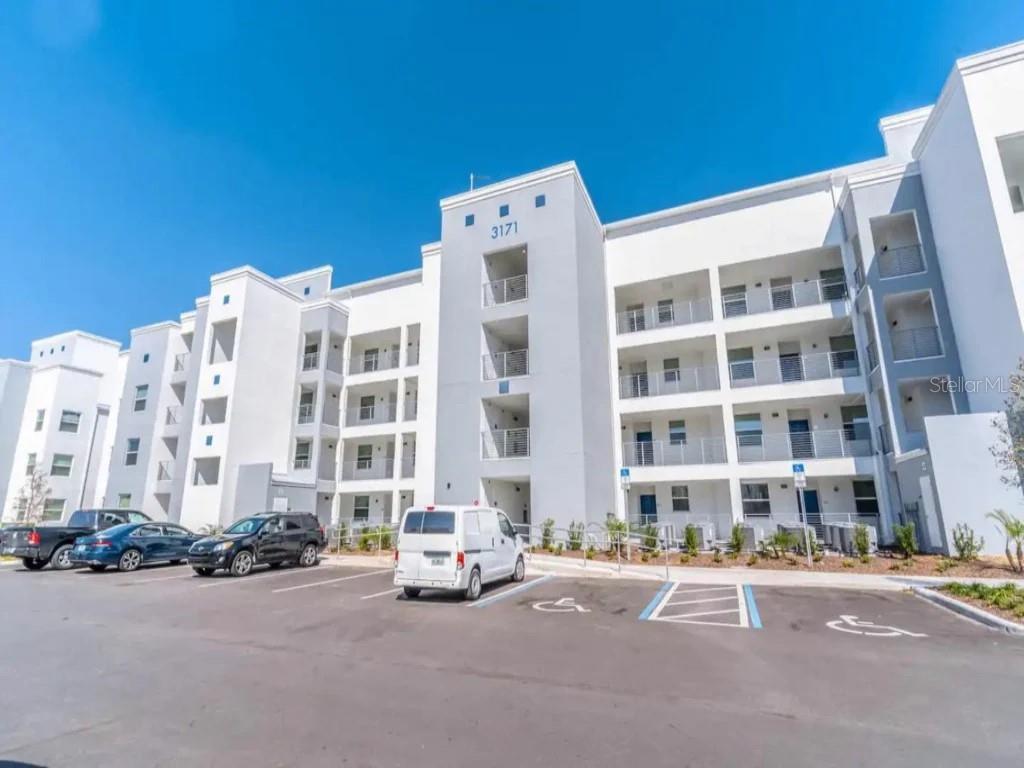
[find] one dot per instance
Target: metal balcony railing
(505, 365)
(670, 382)
(780, 297)
(872, 356)
(380, 413)
(660, 453)
(663, 316)
(306, 413)
(505, 443)
(408, 466)
(310, 361)
(896, 262)
(412, 408)
(368, 469)
(783, 370)
(373, 361)
(301, 462)
(164, 471)
(915, 343)
(822, 444)
(506, 291)
(172, 415)
(180, 362)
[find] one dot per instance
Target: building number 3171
(504, 230)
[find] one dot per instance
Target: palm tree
(1013, 529)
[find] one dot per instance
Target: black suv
(270, 538)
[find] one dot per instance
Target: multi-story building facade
(853, 321)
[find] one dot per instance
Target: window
(748, 430)
(30, 465)
(216, 379)
(670, 365)
(865, 498)
(755, 500)
(137, 517)
(503, 210)
(734, 300)
(680, 498)
(227, 298)
(303, 449)
(69, 421)
(141, 393)
(148, 531)
(145, 358)
(61, 465)
(361, 508)
(677, 432)
(741, 365)
(124, 500)
(666, 312)
(209, 439)
(506, 526)
(291, 525)
(470, 219)
(206, 471)
(131, 454)
(366, 407)
(364, 457)
(305, 291)
(53, 509)
(540, 201)
(40, 416)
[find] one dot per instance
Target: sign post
(624, 482)
(800, 482)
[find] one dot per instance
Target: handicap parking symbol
(562, 605)
(854, 626)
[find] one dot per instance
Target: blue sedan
(128, 546)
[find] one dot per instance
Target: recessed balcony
(665, 314)
(506, 365)
(659, 453)
(782, 294)
(668, 382)
(794, 368)
(505, 443)
(506, 279)
(819, 444)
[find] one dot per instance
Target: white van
(456, 548)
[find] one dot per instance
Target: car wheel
(204, 571)
(97, 568)
(60, 560)
(520, 571)
(130, 560)
(475, 585)
(412, 592)
(242, 564)
(309, 556)
(32, 564)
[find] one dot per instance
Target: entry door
(800, 439)
(648, 508)
(812, 511)
(644, 449)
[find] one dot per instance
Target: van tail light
(460, 560)
(33, 538)
(396, 556)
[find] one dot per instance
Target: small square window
(61, 347)
(216, 379)
(124, 500)
(131, 454)
(470, 219)
(227, 298)
(503, 210)
(305, 291)
(540, 201)
(209, 439)
(145, 358)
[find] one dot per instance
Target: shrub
(692, 539)
(944, 565)
(558, 548)
(343, 542)
(717, 557)
(736, 538)
(649, 536)
(575, 536)
(967, 546)
(861, 541)
(779, 542)
(616, 530)
(906, 540)
(752, 560)
(1008, 597)
(865, 559)
(684, 558)
(848, 563)
(655, 553)
(384, 537)
(547, 533)
(591, 551)
(644, 557)
(366, 539)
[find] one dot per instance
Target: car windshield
(429, 522)
(246, 525)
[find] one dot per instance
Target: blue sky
(145, 146)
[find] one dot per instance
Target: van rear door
(428, 545)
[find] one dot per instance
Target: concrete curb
(969, 611)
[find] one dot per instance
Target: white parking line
(227, 579)
(668, 608)
(158, 578)
(381, 594)
(331, 581)
(703, 600)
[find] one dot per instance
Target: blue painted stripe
(655, 600)
(509, 592)
(755, 617)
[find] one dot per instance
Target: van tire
(475, 586)
(412, 592)
(519, 572)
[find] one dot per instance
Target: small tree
(1013, 530)
(31, 499)
(575, 536)
(862, 542)
(736, 539)
(906, 540)
(547, 533)
(692, 539)
(1009, 448)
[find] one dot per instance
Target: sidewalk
(740, 575)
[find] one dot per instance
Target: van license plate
(437, 561)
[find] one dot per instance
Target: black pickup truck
(42, 545)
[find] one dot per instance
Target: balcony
(505, 365)
(822, 444)
(872, 356)
(306, 413)
(373, 360)
(897, 262)
(172, 416)
(662, 453)
(164, 471)
(310, 361)
(379, 413)
(671, 382)
(505, 444)
(408, 467)
(180, 363)
(368, 469)
(506, 291)
(784, 370)
(782, 297)
(915, 343)
(302, 462)
(665, 315)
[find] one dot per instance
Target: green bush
(1008, 597)
(1013, 529)
(736, 538)
(547, 533)
(717, 557)
(779, 543)
(367, 539)
(575, 536)
(684, 558)
(343, 542)
(752, 560)
(591, 551)
(906, 540)
(616, 530)
(692, 540)
(649, 536)
(967, 545)
(861, 541)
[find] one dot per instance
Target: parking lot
(334, 666)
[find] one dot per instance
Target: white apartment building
(853, 321)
